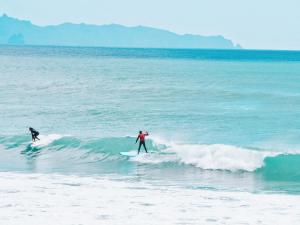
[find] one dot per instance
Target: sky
(254, 24)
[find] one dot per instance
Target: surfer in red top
(142, 140)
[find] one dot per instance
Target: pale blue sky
(259, 24)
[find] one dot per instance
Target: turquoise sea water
(218, 119)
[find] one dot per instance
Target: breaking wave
(66, 149)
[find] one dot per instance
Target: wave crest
(220, 157)
(204, 156)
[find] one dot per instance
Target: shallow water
(59, 199)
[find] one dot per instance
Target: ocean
(224, 128)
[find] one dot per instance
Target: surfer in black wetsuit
(34, 134)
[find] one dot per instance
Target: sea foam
(34, 199)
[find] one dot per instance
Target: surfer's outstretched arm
(137, 139)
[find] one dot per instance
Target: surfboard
(45, 140)
(36, 143)
(129, 154)
(133, 153)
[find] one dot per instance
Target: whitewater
(59, 199)
(224, 136)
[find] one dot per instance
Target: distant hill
(19, 32)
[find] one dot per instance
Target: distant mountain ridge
(15, 31)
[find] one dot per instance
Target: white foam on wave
(46, 140)
(214, 156)
(34, 199)
(220, 157)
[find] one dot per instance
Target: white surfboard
(45, 140)
(129, 154)
(134, 153)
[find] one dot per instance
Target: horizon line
(150, 48)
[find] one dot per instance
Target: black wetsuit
(34, 134)
(140, 145)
